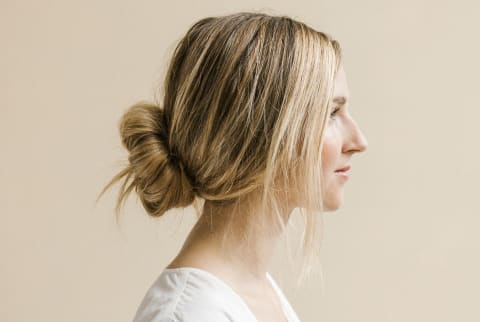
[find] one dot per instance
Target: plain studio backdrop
(405, 245)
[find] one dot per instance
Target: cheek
(330, 151)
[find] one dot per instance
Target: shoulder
(184, 296)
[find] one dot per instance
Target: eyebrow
(340, 100)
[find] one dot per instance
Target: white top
(188, 294)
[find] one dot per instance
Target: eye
(335, 110)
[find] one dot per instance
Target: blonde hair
(243, 113)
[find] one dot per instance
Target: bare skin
(246, 276)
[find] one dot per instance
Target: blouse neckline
(226, 286)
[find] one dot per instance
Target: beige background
(405, 246)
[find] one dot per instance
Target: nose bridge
(355, 139)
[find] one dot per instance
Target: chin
(330, 208)
(332, 204)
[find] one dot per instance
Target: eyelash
(334, 112)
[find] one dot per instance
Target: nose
(356, 142)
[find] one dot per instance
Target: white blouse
(188, 294)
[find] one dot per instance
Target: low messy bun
(156, 174)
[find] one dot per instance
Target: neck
(243, 257)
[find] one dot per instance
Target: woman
(253, 123)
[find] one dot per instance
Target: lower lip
(342, 174)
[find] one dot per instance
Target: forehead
(341, 86)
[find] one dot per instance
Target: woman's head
(244, 108)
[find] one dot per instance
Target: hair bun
(141, 123)
(158, 177)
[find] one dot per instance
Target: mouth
(343, 172)
(344, 169)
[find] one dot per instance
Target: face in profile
(342, 139)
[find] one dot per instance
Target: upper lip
(346, 168)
